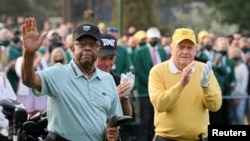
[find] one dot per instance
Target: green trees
(201, 17)
(139, 13)
(236, 11)
(15, 7)
(219, 15)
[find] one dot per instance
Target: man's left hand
(112, 133)
(205, 74)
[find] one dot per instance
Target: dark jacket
(142, 66)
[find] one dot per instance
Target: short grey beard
(87, 65)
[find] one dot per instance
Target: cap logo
(86, 27)
(184, 32)
(108, 42)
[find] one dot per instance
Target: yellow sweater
(181, 113)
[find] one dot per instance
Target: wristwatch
(126, 96)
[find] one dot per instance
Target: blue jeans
(238, 110)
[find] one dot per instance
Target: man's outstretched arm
(31, 43)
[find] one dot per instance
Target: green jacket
(225, 75)
(122, 62)
(14, 53)
(142, 65)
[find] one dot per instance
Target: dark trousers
(3, 138)
(159, 138)
(128, 133)
(247, 112)
(221, 117)
(146, 125)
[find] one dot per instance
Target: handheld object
(115, 121)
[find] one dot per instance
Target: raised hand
(31, 39)
(217, 59)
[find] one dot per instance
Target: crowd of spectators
(230, 57)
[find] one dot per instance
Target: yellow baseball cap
(202, 34)
(139, 35)
(181, 34)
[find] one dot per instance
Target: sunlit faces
(183, 53)
(105, 63)
(235, 53)
(222, 44)
(57, 56)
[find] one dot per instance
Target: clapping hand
(217, 59)
(186, 74)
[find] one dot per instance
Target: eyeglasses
(83, 44)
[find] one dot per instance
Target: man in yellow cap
(140, 37)
(201, 35)
(140, 41)
(182, 91)
(200, 55)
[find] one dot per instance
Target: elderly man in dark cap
(81, 98)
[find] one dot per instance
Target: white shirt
(151, 49)
(241, 75)
(22, 89)
(6, 91)
(174, 69)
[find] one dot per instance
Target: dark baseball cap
(87, 29)
(108, 45)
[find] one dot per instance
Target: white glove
(130, 78)
(205, 74)
(124, 78)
